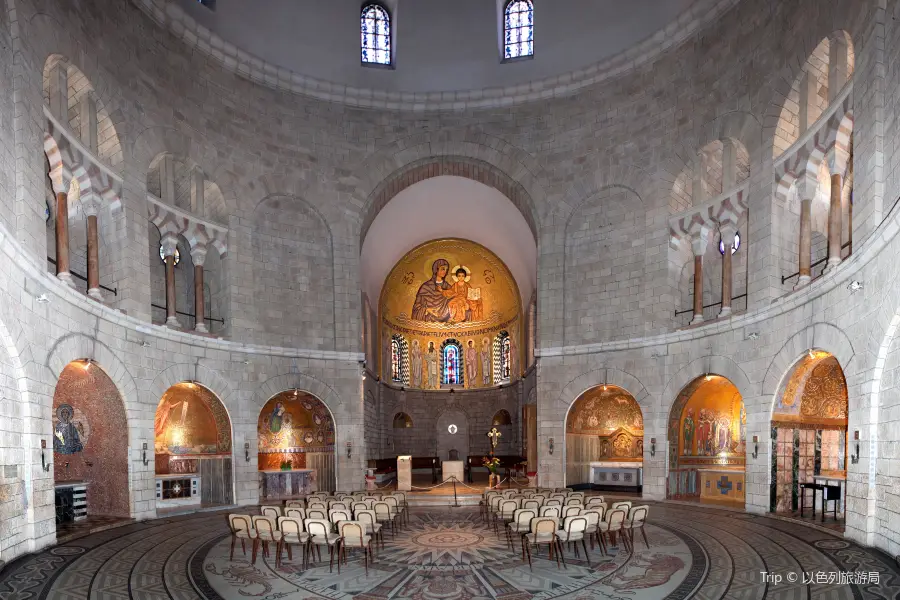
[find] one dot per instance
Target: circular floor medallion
(447, 539)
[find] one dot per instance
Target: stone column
(835, 222)
(809, 110)
(169, 244)
(198, 256)
(698, 246)
(93, 259)
(727, 232)
(805, 243)
(61, 186)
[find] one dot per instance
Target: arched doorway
(90, 445)
(193, 448)
(452, 435)
(296, 445)
(809, 431)
(605, 440)
(707, 443)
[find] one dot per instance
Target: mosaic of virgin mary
(432, 303)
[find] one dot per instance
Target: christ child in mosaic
(459, 294)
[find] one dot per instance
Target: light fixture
(811, 355)
(734, 246)
(550, 442)
(42, 299)
(708, 377)
(753, 335)
(755, 446)
(604, 387)
(247, 451)
(854, 458)
(144, 457)
(855, 286)
(652, 446)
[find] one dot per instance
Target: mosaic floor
(444, 554)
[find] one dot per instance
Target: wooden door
(216, 481)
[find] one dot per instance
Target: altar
(835, 479)
(453, 468)
(617, 475)
(722, 485)
(278, 483)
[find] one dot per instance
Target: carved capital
(169, 243)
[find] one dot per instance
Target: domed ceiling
(439, 46)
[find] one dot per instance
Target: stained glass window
(395, 360)
(162, 255)
(504, 358)
(375, 34)
(501, 354)
(399, 359)
(451, 354)
(518, 29)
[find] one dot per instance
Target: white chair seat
(293, 538)
(629, 524)
(573, 536)
(248, 534)
(540, 538)
(518, 527)
(372, 527)
(602, 526)
(330, 539)
(270, 536)
(354, 542)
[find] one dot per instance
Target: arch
(823, 336)
(297, 381)
(708, 365)
(501, 417)
(609, 376)
(402, 420)
(196, 373)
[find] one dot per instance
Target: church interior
(504, 299)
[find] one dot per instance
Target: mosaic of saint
(709, 423)
(815, 393)
(444, 291)
(293, 423)
(612, 417)
(191, 420)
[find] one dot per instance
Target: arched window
(451, 363)
(502, 358)
(399, 359)
(375, 35)
(518, 29)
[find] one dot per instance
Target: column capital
(90, 204)
(727, 232)
(198, 255)
(169, 242)
(699, 240)
(838, 159)
(61, 178)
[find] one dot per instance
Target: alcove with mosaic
(450, 317)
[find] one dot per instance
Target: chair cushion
(631, 524)
(355, 543)
(540, 538)
(269, 536)
(245, 533)
(293, 538)
(574, 536)
(320, 539)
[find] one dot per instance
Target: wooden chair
(267, 531)
(338, 515)
(295, 504)
(506, 513)
(573, 531)
(571, 511)
(373, 527)
(593, 520)
(320, 534)
(383, 514)
(637, 516)
(271, 511)
(574, 502)
(241, 527)
(484, 504)
(394, 505)
(521, 524)
(316, 513)
(550, 511)
(404, 505)
(542, 531)
(532, 503)
(317, 505)
(358, 506)
(553, 502)
(292, 533)
(594, 500)
(337, 505)
(626, 504)
(353, 535)
(610, 526)
(296, 513)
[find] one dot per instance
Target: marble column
(198, 256)
(835, 222)
(93, 257)
(805, 259)
(727, 233)
(698, 247)
(169, 245)
(62, 239)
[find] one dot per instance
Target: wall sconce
(854, 458)
(551, 445)
(42, 299)
(44, 465)
(652, 446)
(349, 450)
(144, 458)
(755, 446)
(247, 451)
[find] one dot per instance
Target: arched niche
(809, 429)
(604, 424)
(193, 447)
(402, 421)
(90, 438)
(296, 432)
(707, 442)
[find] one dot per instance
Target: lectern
(404, 473)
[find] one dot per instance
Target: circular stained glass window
(162, 255)
(452, 429)
(734, 248)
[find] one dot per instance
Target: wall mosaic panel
(90, 437)
(291, 425)
(613, 416)
(708, 424)
(815, 395)
(450, 289)
(190, 420)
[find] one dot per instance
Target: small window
(518, 29)
(502, 357)
(375, 35)
(399, 359)
(451, 357)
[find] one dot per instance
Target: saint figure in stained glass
(452, 364)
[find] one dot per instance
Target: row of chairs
(342, 500)
(311, 534)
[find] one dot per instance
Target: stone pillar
(835, 222)
(805, 243)
(93, 258)
(169, 244)
(699, 241)
(62, 234)
(809, 109)
(727, 232)
(198, 256)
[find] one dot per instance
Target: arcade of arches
(657, 266)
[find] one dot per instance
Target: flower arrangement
(492, 463)
(286, 465)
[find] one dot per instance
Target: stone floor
(444, 554)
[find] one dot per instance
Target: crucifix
(494, 435)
